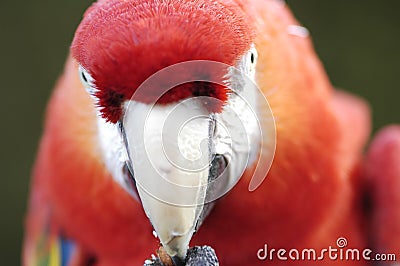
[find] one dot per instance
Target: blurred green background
(358, 41)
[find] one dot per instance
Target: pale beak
(170, 151)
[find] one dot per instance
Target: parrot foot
(201, 256)
(196, 256)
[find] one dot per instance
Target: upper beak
(170, 148)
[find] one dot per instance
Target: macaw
(111, 181)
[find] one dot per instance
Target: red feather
(122, 43)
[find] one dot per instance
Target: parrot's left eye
(252, 58)
(250, 61)
(253, 55)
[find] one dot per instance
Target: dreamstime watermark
(341, 251)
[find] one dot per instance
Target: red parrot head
(122, 43)
(167, 147)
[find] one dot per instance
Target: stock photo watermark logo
(341, 251)
(181, 144)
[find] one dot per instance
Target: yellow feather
(54, 254)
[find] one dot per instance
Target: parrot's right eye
(83, 76)
(87, 80)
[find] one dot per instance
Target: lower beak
(170, 150)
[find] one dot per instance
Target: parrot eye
(87, 80)
(253, 56)
(251, 61)
(83, 76)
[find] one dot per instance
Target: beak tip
(196, 256)
(178, 246)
